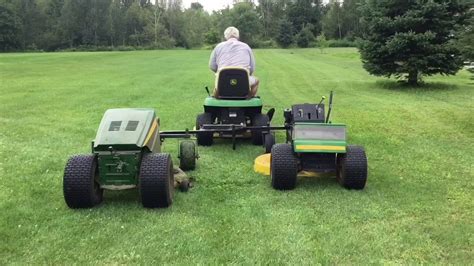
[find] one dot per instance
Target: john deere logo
(233, 82)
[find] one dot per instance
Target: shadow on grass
(226, 142)
(405, 87)
(122, 197)
(317, 183)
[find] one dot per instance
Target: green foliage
(271, 11)
(59, 24)
(303, 12)
(351, 27)
(416, 208)
(305, 37)
(342, 43)
(246, 19)
(285, 33)
(9, 28)
(466, 38)
(212, 37)
(321, 42)
(196, 25)
(411, 38)
(333, 21)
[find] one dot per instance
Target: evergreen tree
(466, 35)
(411, 38)
(305, 37)
(285, 33)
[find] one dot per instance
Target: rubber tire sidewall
(352, 168)
(80, 188)
(269, 142)
(187, 155)
(156, 180)
(283, 167)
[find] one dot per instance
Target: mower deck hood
(126, 126)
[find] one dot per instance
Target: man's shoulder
(219, 45)
(244, 45)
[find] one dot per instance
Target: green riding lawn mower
(231, 112)
(126, 154)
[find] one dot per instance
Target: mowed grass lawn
(417, 206)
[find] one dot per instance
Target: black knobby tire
(352, 168)
(187, 155)
(156, 180)
(257, 135)
(79, 182)
(284, 167)
(269, 142)
(204, 138)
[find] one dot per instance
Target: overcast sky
(211, 5)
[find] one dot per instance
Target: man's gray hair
(231, 32)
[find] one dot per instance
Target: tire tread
(284, 167)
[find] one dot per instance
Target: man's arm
(213, 61)
(252, 62)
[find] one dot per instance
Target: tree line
(404, 38)
(51, 25)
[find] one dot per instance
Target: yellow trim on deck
(320, 147)
(152, 131)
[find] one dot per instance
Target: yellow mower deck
(262, 166)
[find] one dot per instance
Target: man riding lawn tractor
(233, 103)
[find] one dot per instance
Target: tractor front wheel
(257, 121)
(79, 182)
(156, 180)
(352, 168)
(187, 155)
(284, 167)
(204, 138)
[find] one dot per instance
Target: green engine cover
(319, 138)
(122, 138)
(127, 129)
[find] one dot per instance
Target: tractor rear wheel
(257, 121)
(156, 180)
(187, 155)
(79, 182)
(284, 167)
(204, 138)
(269, 142)
(352, 168)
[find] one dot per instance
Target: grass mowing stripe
(416, 208)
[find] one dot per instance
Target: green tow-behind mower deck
(314, 144)
(126, 153)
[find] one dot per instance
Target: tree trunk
(413, 77)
